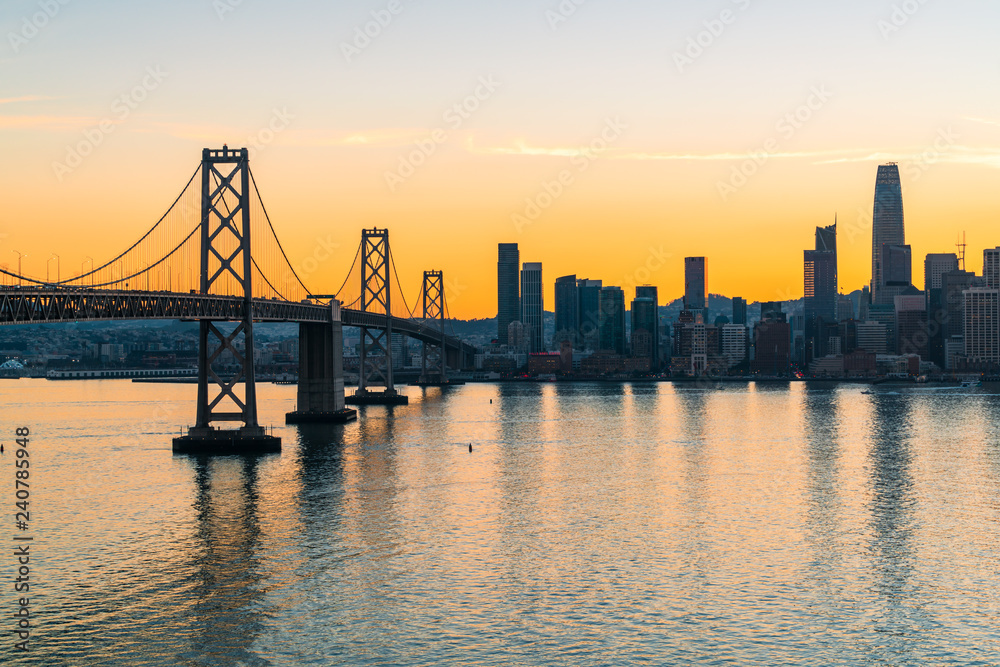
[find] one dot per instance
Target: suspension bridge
(214, 257)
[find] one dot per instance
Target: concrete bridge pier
(321, 373)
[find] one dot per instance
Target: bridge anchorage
(376, 362)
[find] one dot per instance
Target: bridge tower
(434, 364)
(376, 343)
(226, 263)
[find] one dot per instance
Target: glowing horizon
(594, 138)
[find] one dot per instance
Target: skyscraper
(612, 320)
(695, 284)
(739, 310)
(589, 293)
(651, 292)
(887, 224)
(532, 311)
(991, 267)
(936, 265)
(508, 295)
(645, 326)
(820, 304)
(567, 310)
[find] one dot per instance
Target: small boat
(967, 384)
(867, 391)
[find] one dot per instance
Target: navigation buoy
(491, 401)
(470, 446)
(1, 449)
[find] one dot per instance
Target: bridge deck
(22, 305)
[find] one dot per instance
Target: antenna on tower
(961, 251)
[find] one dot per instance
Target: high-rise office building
(567, 310)
(588, 324)
(508, 294)
(991, 267)
(532, 310)
(645, 327)
(826, 238)
(845, 309)
(936, 265)
(772, 340)
(739, 310)
(820, 303)
(612, 320)
(651, 292)
(733, 341)
(911, 324)
(695, 284)
(887, 224)
(982, 326)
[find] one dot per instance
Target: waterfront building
(567, 311)
(532, 306)
(508, 294)
(696, 285)
(589, 300)
(887, 224)
(611, 323)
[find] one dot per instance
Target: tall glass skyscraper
(532, 308)
(567, 310)
(887, 223)
(589, 294)
(695, 284)
(612, 320)
(508, 294)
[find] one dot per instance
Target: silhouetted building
(911, 324)
(734, 344)
(645, 325)
(820, 303)
(567, 310)
(772, 342)
(532, 306)
(936, 265)
(589, 299)
(739, 310)
(982, 327)
(887, 223)
(695, 284)
(508, 294)
(612, 320)
(845, 309)
(991, 267)
(651, 292)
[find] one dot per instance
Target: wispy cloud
(46, 122)
(25, 98)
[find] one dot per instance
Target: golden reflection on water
(804, 523)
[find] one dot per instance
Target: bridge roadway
(21, 305)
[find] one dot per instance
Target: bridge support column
(226, 257)
(321, 373)
(376, 344)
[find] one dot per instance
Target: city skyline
(795, 138)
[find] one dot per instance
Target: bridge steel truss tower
(226, 259)
(434, 366)
(376, 344)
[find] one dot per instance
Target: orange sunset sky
(644, 109)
